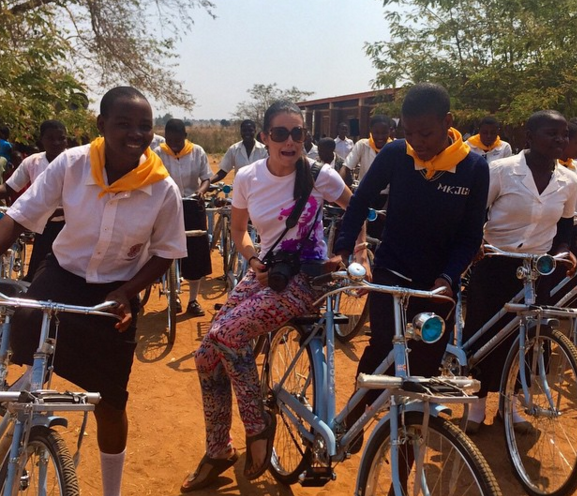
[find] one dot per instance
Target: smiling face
(127, 130)
(247, 132)
(283, 156)
(380, 133)
(427, 134)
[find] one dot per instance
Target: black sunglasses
(280, 134)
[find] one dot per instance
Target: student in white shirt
(570, 152)
(309, 148)
(343, 145)
(242, 153)
(327, 154)
(54, 140)
(487, 142)
(123, 228)
(366, 149)
(530, 206)
(187, 164)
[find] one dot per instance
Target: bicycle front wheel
(172, 296)
(451, 464)
(291, 451)
(48, 467)
(543, 449)
(356, 308)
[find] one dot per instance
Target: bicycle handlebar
(492, 251)
(51, 306)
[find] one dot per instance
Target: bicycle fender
(50, 421)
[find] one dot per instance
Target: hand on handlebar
(122, 309)
(443, 283)
(568, 258)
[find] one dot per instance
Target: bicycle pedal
(317, 477)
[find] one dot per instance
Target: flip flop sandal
(268, 434)
(217, 467)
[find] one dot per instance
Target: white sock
(194, 287)
(477, 410)
(112, 466)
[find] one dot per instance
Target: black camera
(281, 266)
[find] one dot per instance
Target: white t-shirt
(520, 219)
(269, 201)
(27, 172)
(187, 171)
(236, 157)
(343, 147)
(108, 238)
(503, 150)
(362, 154)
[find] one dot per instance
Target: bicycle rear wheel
(544, 452)
(356, 308)
(291, 451)
(171, 296)
(48, 467)
(452, 464)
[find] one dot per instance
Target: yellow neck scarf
(566, 163)
(148, 172)
(447, 159)
(188, 146)
(477, 143)
(374, 146)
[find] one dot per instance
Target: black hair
(426, 99)
(342, 124)
(327, 142)
(304, 179)
(175, 126)
(248, 121)
(489, 121)
(380, 118)
(540, 117)
(51, 124)
(111, 96)
(5, 132)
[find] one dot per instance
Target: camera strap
(294, 216)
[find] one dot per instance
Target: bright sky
(315, 45)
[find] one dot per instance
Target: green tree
(506, 57)
(52, 51)
(262, 95)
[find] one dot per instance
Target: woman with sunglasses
(267, 192)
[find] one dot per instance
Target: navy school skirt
(197, 264)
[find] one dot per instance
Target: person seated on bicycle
(123, 229)
(530, 210)
(242, 153)
(433, 227)
(54, 141)
(267, 191)
(187, 164)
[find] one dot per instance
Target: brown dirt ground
(166, 438)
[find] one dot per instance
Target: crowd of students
(95, 243)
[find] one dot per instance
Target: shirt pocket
(132, 248)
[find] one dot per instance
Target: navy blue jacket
(432, 227)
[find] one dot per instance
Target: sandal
(217, 467)
(268, 434)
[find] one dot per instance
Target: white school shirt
(27, 172)
(236, 157)
(269, 201)
(343, 147)
(503, 150)
(362, 154)
(104, 239)
(313, 153)
(519, 218)
(187, 171)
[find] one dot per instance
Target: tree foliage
(505, 57)
(53, 51)
(262, 96)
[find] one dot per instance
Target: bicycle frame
(33, 404)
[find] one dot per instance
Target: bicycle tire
(172, 297)
(356, 308)
(226, 243)
(234, 271)
(144, 296)
(46, 443)
(544, 457)
(291, 453)
(453, 465)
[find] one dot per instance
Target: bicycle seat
(13, 288)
